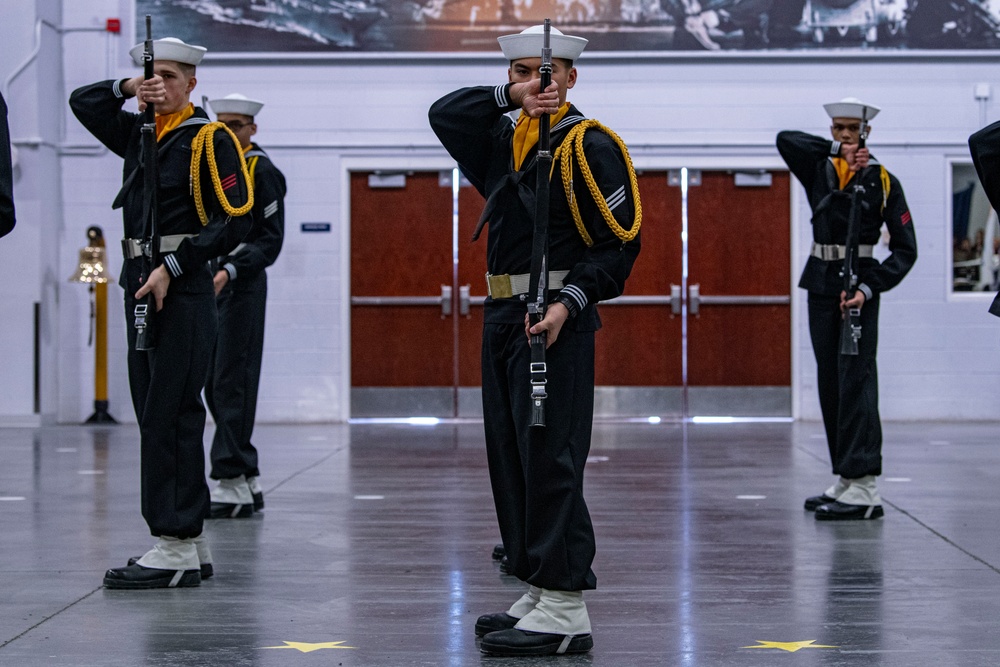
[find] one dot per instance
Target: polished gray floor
(374, 550)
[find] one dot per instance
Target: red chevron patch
(905, 218)
(229, 182)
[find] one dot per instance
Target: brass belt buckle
(499, 286)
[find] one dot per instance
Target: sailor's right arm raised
(467, 122)
(803, 153)
(98, 107)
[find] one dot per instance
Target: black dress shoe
(230, 511)
(838, 511)
(137, 577)
(523, 642)
(488, 623)
(499, 552)
(206, 568)
(505, 567)
(812, 502)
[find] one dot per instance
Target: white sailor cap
(851, 107)
(528, 44)
(170, 48)
(236, 103)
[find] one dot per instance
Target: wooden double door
(704, 328)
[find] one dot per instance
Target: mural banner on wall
(650, 26)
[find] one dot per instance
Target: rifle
(145, 310)
(539, 281)
(850, 328)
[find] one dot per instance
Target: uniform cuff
(835, 149)
(866, 290)
(172, 265)
(502, 96)
(573, 298)
(230, 269)
(116, 88)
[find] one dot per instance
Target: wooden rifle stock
(145, 310)
(850, 328)
(539, 282)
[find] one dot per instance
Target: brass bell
(91, 268)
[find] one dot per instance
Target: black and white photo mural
(649, 26)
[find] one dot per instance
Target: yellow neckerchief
(170, 121)
(526, 134)
(844, 174)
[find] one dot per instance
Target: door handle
(694, 298)
(464, 299)
(675, 299)
(445, 301)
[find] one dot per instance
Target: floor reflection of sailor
(241, 289)
(169, 632)
(854, 583)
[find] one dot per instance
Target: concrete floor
(374, 550)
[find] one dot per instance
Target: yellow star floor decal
(791, 647)
(306, 647)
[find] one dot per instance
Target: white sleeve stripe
(116, 88)
(568, 120)
(835, 149)
(500, 96)
(173, 265)
(616, 198)
(271, 209)
(575, 293)
(228, 266)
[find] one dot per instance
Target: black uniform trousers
(234, 376)
(848, 387)
(166, 388)
(537, 473)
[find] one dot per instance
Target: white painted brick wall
(938, 353)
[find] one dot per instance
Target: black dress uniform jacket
(808, 157)
(537, 474)
(234, 373)
(848, 385)
(472, 125)
(985, 148)
(166, 383)
(6, 175)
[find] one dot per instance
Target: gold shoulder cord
(574, 140)
(204, 142)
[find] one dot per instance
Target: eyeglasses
(853, 127)
(236, 125)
